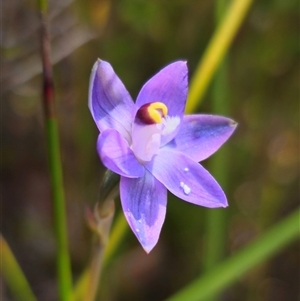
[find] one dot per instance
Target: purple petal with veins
(187, 179)
(200, 136)
(169, 86)
(110, 103)
(144, 202)
(154, 147)
(117, 156)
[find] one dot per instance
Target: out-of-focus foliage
(138, 38)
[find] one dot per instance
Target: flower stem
(119, 230)
(215, 52)
(100, 221)
(55, 167)
(117, 234)
(262, 248)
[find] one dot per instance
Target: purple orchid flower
(154, 147)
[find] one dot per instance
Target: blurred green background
(138, 38)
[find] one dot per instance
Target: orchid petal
(117, 156)
(110, 104)
(168, 86)
(144, 202)
(200, 136)
(187, 179)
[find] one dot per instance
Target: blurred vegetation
(138, 38)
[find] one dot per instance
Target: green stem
(118, 232)
(100, 223)
(216, 220)
(13, 274)
(55, 166)
(265, 246)
(43, 6)
(215, 51)
(93, 274)
(59, 212)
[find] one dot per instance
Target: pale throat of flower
(153, 122)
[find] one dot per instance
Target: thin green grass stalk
(13, 274)
(80, 286)
(59, 211)
(216, 219)
(55, 166)
(215, 52)
(261, 249)
(43, 6)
